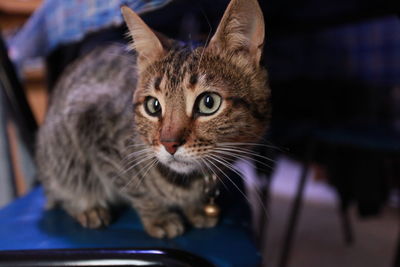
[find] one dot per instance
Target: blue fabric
(59, 22)
(26, 225)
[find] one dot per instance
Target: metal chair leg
(346, 225)
(396, 262)
(17, 103)
(263, 220)
(4, 116)
(288, 241)
(296, 207)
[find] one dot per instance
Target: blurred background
(333, 193)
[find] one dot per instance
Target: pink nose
(170, 146)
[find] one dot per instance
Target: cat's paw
(200, 220)
(168, 225)
(94, 218)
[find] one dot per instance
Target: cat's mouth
(177, 162)
(181, 166)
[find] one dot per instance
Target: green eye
(152, 106)
(208, 103)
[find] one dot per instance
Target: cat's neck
(178, 179)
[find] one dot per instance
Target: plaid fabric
(64, 21)
(368, 51)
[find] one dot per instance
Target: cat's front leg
(198, 218)
(158, 220)
(94, 218)
(88, 214)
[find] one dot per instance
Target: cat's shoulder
(99, 65)
(102, 80)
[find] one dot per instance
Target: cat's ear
(144, 41)
(241, 30)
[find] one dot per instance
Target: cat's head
(192, 107)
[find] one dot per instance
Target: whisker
(200, 164)
(138, 153)
(229, 179)
(131, 147)
(208, 166)
(140, 171)
(135, 145)
(241, 175)
(148, 157)
(127, 161)
(250, 144)
(248, 152)
(154, 162)
(239, 156)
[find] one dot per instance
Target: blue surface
(26, 225)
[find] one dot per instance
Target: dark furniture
(102, 257)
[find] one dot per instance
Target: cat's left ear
(145, 42)
(241, 30)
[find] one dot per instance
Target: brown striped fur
(99, 147)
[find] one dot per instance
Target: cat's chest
(178, 191)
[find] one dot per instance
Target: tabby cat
(148, 123)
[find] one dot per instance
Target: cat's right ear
(241, 30)
(144, 41)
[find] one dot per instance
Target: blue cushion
(26, 225)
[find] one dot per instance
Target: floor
(319, 240)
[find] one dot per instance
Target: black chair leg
(263, 220)
(346, 225)
(18, 106)
(295, 211)
(4, 116)
(396, 262)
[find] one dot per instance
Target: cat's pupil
(209, 101)
(156, 105)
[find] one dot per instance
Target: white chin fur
(181, 167)
(179, 162)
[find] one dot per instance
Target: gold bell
(211, 209)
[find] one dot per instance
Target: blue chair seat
(25, 225)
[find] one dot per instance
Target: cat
(147, 124)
